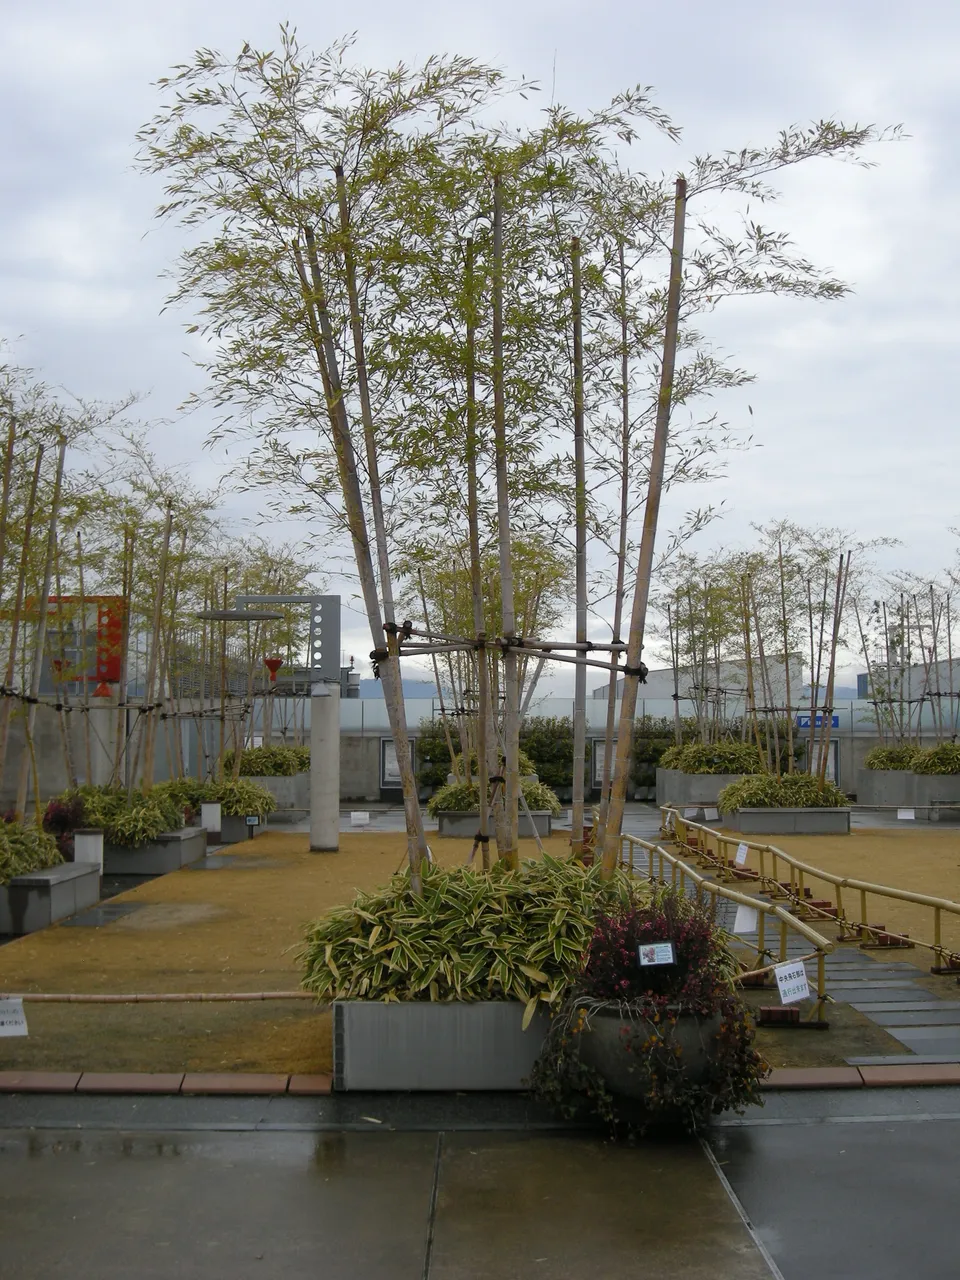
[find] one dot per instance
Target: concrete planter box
(423, 1046)
(292, 795)
(465, 824)
(887, 786)
(686, 790)
(169, 852)
(789, 822)
(234, 829)
(39, 898)
(923, 792)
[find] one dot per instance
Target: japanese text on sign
(13, 1021)
(792, 982)
(741, 858)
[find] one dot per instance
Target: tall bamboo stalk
(508, 615)
(619, 592)
(85, 682)
(580, 539)
(6, 703)
(841, 591)
(786, 656)
(58, 668)
(632, 667)
(321, 328)
(5, 492)
(36, 671)
(151, 690)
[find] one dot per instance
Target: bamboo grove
(107, 562)
(452, 341)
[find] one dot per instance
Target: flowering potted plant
(652, 1030)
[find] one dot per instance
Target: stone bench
(39, 898)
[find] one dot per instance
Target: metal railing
(783, 875)
(680, 875)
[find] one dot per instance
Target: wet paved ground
(833, 1186)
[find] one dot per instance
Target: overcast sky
(853, 404)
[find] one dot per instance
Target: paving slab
(813, 1078)
(251, 1206)
(919, 1074)
(840, 1202)
(511, 1207)
(127, 1082)
(928, 1016)
(903, 1059)
(863, 993)
(39, 1081)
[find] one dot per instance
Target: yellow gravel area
(231, 929)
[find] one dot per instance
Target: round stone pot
(612, 1045)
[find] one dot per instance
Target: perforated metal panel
(323, 646)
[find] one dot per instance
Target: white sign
(741, 858)
(906, 815)
(359, 819)
(745, 921)
(690, 813)
(655, 953)
(599, 753)
(13, 1021)
(792, 981)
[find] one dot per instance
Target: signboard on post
(741, 858)
(792, 981)
(598, 753)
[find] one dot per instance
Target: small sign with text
(653, 953)
(13, 1021)
(741, 858)
(792, 982)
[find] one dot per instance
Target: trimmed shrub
(464, 797)
(472, 935)
(718, 757)
(127, 820)
(25, 848)
(238, 797)
(901, 757)
(264, 762)
(792, 791)
(942, 759)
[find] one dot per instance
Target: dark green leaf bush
(265, 762)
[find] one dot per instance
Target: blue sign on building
(803, 722)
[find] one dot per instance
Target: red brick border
(238, 1083)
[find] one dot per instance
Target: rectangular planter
(235, 829)
(887, 786)
(686, 790)
(292, 795)
(422, 1046)
(169, 852)
(39, 898)
(465, 824)
(789, 822)
(924, 792)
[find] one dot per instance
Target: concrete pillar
(325, 768)
(88, 846)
